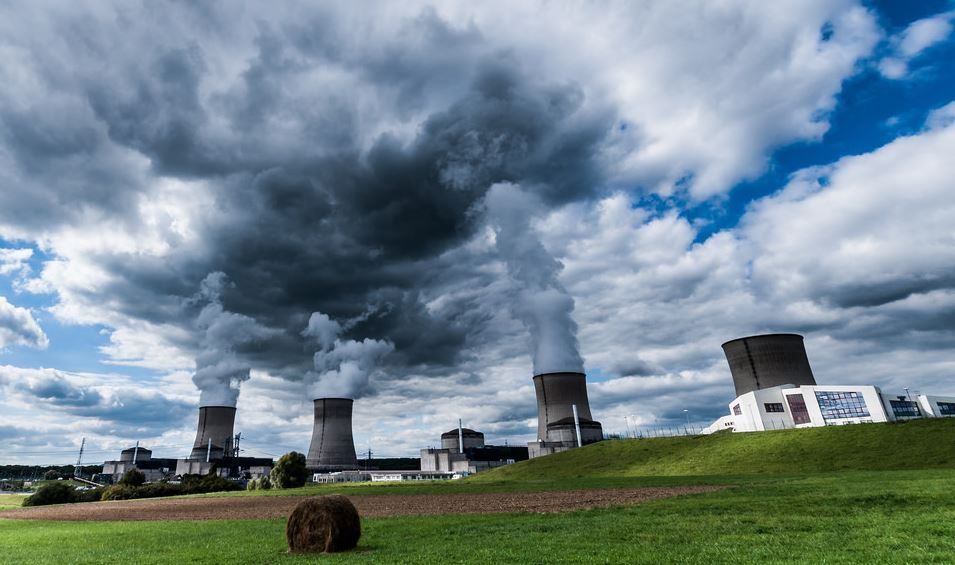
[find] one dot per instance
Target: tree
(289, 471)
(133, 478)
(51, 475)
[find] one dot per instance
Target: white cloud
(19, 327)
(912, 41)
(14, 260)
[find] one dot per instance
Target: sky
(419, 205)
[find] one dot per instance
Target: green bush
(265, 483)
(289, 471)
(251, 485)
(119, 492)
(133, 478)
(51, 493)
(89, 495)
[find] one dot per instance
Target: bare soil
(265, 507)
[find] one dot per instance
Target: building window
(797, 407)
(905, 408)
(774, 407)
(946, 408)
(737, 411)
(841, 405)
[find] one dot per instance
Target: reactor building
(463, 451)
(332, 447)
(765, 361)
(564, 420)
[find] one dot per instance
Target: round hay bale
(323, 524)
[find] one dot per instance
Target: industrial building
(332, 447)
(137, 458)
(776, 389)
(463, 451)
(790, 406)
(564, 420)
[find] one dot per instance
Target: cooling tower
(557, 393)
(332, 447)
(215, 424)
(764, 361)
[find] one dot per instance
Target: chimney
(214, 434)
(332, 447)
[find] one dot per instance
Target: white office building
(790, 406)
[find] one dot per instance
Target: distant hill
(917, 444)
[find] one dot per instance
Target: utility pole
(79, 460)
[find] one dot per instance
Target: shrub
(289, 471)
(89, 495)
(265, 483)
(133, 478)
(50, 493)
(119, 492)
(51, 475)
(251, 485)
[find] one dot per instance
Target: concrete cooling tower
(332, 447)
(215, 429)
(557, 394)
(764, 361)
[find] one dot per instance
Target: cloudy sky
(388, 200)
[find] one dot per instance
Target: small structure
(463, 451)
(138, 458)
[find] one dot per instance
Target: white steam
(219, 372)
(544, 305)
(343, 368)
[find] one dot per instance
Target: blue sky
(275, 212)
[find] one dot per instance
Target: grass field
(11, 500)
(856, 494)
(853, 517)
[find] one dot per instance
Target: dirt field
(259, 507)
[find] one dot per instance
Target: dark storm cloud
(308, 216)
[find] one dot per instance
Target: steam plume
(219, 372)
(342, 367)
(544, 305)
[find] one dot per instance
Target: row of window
(905, 409)
(946, 408)
(841, 405)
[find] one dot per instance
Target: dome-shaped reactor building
(764, 361)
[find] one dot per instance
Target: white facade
(937, 406)
(789, 406)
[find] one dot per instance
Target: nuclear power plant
(764, 361)
(332, 447)
(564, 420)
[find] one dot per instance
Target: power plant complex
(775, 389)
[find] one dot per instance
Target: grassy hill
(918, 444)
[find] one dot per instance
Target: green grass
(849, 517)
(855, 494)
(919, 444)
(11, 500)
